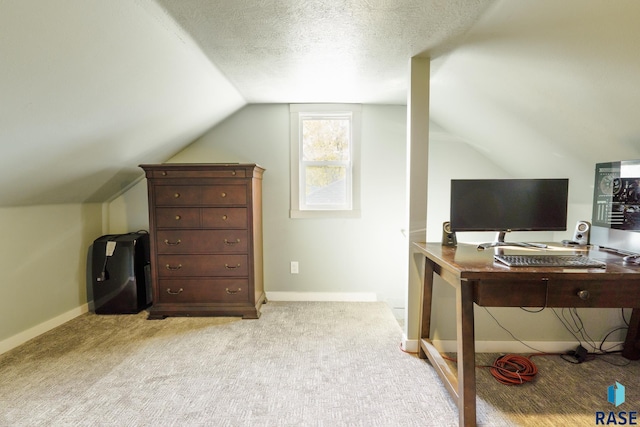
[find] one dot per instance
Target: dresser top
(203, 170)
(200, 166)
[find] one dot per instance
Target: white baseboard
(450, 346)
(410, 346)
(24, 336)
(322, 296)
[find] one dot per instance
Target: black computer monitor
(504, 205)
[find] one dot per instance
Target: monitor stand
(500, 242)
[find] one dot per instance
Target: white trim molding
(322, 296)
(503, 347)
(24, 336)
(298, 205)
(410, 346)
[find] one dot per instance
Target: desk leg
(425, 311)
(466, 354)
(632, 342)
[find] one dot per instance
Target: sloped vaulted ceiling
(546, 88)
(91, 88)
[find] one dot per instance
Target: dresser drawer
(171, 195)
(201, 241)
(178, 218)
(202, 265)
(185, 217)
(203, 291)
(224, 217)
(224, 195)
(197, 195)
(213, 173)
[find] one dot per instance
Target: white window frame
(298, 208)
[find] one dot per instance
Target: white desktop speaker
(448, 236)
(582, 232)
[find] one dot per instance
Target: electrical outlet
(294, 267)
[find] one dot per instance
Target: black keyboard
(574, 261)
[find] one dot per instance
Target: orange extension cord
(510, 369)
(513, 369)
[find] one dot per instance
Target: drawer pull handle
(177, 267)
(168, 243)
(164, 173)
(231, 243)
(174, 293)
(223, 194)
(178, 217)
(230, 292)
(233, 173)
(584, 295)
(176, 195)
(231, 267)
(224, 217)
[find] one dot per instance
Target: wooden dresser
(205, 225)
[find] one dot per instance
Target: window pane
(325, 185)
(325, 139)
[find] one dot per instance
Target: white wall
(128, 212)
(43, 259)
(366, 254)
(360, 255)
(452, 158)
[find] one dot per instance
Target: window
(324, 160)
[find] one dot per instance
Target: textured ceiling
(91, 88)
(322, 51)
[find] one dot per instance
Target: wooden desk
(477, 279)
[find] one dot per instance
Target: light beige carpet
(300, 364)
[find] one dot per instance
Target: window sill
(297, 214)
